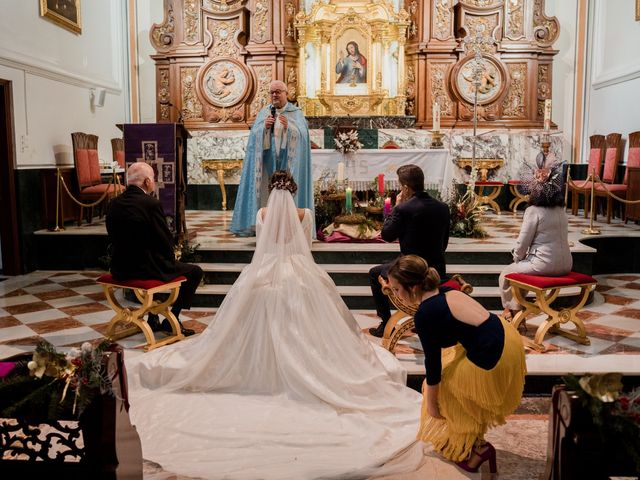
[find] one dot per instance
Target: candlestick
(387, 206)
(436, 116)
(547, 114)
(347, 200)
(381, 183)
(340, 172)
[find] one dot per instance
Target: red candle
(387, 206)
(381, 183)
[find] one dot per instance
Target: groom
(279, 140)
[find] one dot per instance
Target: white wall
(52, 71)
(613, 80)
(564, 69)
(148, 12)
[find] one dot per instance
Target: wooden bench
(402, 321)
(546, 290)
(144, 290)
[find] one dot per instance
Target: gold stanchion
(591, 230)
(566, 188)
(58, 228)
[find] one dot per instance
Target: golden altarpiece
(215, 59)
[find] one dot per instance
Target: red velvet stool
(489, 199)
(134, 319)
(402, 321)
(518, 197)
(546, 290)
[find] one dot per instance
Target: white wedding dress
(282, 384)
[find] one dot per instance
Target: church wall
(148, 12)
(613, 78)
(53, 70)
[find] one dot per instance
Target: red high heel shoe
(489, 453)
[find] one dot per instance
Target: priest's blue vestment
(267, 151)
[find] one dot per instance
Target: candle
(547, 114)
(340, 172)
(387, 206)
(436, 117)
(381, 183)
(347, 200)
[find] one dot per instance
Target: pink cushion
(633, 160)
(610, 164)
(145, 284)
(489, 184)
(515, 182)
(616, 188)
(120, 158)
(538, 281)
(595, 158)
(99, 189)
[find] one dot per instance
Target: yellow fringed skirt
(472, 399)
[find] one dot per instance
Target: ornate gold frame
(75, 27)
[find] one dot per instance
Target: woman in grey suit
(542, 247)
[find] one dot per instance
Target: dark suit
(422, 225)
(143, 245)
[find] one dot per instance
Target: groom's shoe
(154, 322)
(166, 327)
(378, 331)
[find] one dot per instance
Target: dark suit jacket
(141, 241)
(422, 226)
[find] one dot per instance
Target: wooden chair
(620, 189)
(612, 158)
(117, 148)
(87, 167)
(546, 290)
(596, 157)
(402, 321)
(134, 318)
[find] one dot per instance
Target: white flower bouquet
(347, 142)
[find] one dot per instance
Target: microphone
(273, 111)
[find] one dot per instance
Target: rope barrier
(108, 190)
(604, 185)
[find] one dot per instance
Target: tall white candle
(436, 117)
(340, 171)
(547, 114)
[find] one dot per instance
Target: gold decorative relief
(442, 22)
(479, 3)
(191, 106)
(540, 108)
(514, 103)
(261, 98)
(545, 29)
(410, 91)
(544, 85)
(438, 88)
(492, 79)
(515, 19)
(191, 21)
(260, 21)
(217, 5)
(164, 97)
(412, 10)
(162, 35)
(224, 82)
(224, 34)
(292, 85)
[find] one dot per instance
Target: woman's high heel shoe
(489, 453)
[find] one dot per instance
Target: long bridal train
(282, 384)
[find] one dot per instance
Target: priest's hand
(268, 122)
(283, 121)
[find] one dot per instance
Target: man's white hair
(138, 172)
(278, 83)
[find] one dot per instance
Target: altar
(363, 167)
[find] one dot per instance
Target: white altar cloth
(362, 167)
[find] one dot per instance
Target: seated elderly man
(143, 246)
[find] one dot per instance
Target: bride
(282, 384)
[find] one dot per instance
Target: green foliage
(465, 215)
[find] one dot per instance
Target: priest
(279, 140)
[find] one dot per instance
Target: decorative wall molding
(42, 68)
(602, 77)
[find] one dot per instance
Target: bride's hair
(412, 270)
(283, 180)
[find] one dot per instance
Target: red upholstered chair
(612, 158)
(583, 187)
(620, 189)
(402, 321)
(546, 290)
(87, 167)
(117, 148)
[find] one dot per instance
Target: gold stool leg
(220, 174)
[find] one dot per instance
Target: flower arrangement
(615, 414)
(464, 212)
(55, 383)
(347, 142)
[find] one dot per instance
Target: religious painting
(351, 59)
(488, 74)
(65, 13)
(150, 151)
(224, 82)
(167, 173)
